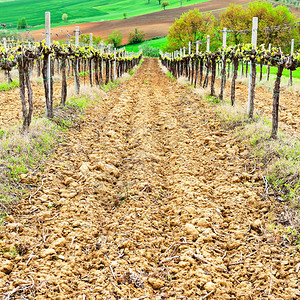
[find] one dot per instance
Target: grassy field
(158, 43)
(79, 11)
(286, 73)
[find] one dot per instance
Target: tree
(136, 36)
(270, 21)
(159, 1)
(115, 38)
(64, 17)
(125, 15)
(165, 4)
(191, 27)
(22, 23)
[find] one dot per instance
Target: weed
(169, 74)
(4, 86)
(81, 102)
(213, 99)
(110, 85)
(82, 74)
(21, 152)
(13, 251)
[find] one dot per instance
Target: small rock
(210, 286)
(256, 225)
(85, 167)
(107, 168)
(233, 245)
(9, 218)
(16, 227)
(59, 242)
(202, 222)
(47, 252)
(68, 180)
(156, 283)
(44, 198)
(6, 266)
(191, 230)
(61, 257)
(68, 195)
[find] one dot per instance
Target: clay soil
(154, 25)
(151, 199)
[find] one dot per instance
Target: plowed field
(151, 199)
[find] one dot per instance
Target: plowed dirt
(151, 199)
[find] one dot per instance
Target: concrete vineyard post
(292, 53)
(208, 43)
(48, 43)
(251, 92)
(91, 67)
(268, 68)
(115, 63)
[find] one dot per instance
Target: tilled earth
(151, 199)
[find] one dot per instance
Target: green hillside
(79, 11)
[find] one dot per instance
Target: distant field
(79, 11)
(155, 43)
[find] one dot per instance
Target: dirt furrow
(151, 199)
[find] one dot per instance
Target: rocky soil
(151, 199)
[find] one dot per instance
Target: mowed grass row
(80, 11)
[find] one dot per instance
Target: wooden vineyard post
(276, 93)
(251, 93)
(77, 84)
(268, 68)
(223, 71)
(24, 81)
(100, 81)
(235, 63)
(63, 81)
(7, 71)
(261, 67)
(91, 61)
(292, 53)
(48, 79)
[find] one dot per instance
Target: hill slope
(79, 11)
(154, 24)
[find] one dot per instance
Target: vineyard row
(101, 65)
(192, 66)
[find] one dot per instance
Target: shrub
(136, 36)
(64, 17)
(115, 38)
(149, 50)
